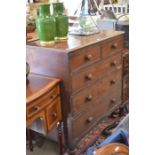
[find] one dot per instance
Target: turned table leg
(59, 134)
(29, 134)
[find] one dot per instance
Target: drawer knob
(114, 63)
(89, 98)
(88, 57)
(41, 118)
(53, 96)
(114, 46)
(89, 76)
(37, 107)
(54, 114)
(90, 119)
(113, 100)
(113, 82)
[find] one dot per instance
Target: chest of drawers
(91, 70)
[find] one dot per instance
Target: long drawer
(86, 97)
(95, 72)
(96, 112)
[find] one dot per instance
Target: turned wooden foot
(29, 134)
(59, 134)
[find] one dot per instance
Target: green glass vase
(61, 21)
(45, 24)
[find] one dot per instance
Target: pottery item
(45, 24)
(61, 19)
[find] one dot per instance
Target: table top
(75, 42)
(37, 85)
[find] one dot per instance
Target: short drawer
(86, 97)
(84, 57)
(111, 47)
(40, 103)
(89, 118)
(37, 122)
(95, 72)
(53, 113)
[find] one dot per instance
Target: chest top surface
(37, 85)
(76, 42)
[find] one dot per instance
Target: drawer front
(39, 117)
(111, 47)
(89, 95)
(53, 113)
(95, 72)
(102, 107)
(84, 57)
(37, 105)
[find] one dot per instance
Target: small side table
(43, 106)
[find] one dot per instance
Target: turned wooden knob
(88, 57)
(53, 96)
(113, 82)
(115, 45)
(114, 63)
(113, 100)
(89, 98)
(89, 76)
(41, 118)
(37, 107)
(54, 114)
(90, 119)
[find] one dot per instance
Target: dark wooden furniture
(91, 70)
(125, 78)
(43, 105)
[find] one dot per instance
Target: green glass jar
(61, 21)
(45, 24)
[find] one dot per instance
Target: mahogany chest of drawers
(91, 70)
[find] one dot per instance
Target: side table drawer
(53, 113)
(111, 47)
(84, 57)
(95, 72)
(42, 102)
(36, 120)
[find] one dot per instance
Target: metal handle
(90, 119)
(89, 98)
(88, 57)
(115, 45)
(41, 118)
(53, 96)
(113, 82)
(89, 76)
(54, 114)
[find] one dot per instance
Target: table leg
(29, 133)
(59, 134)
